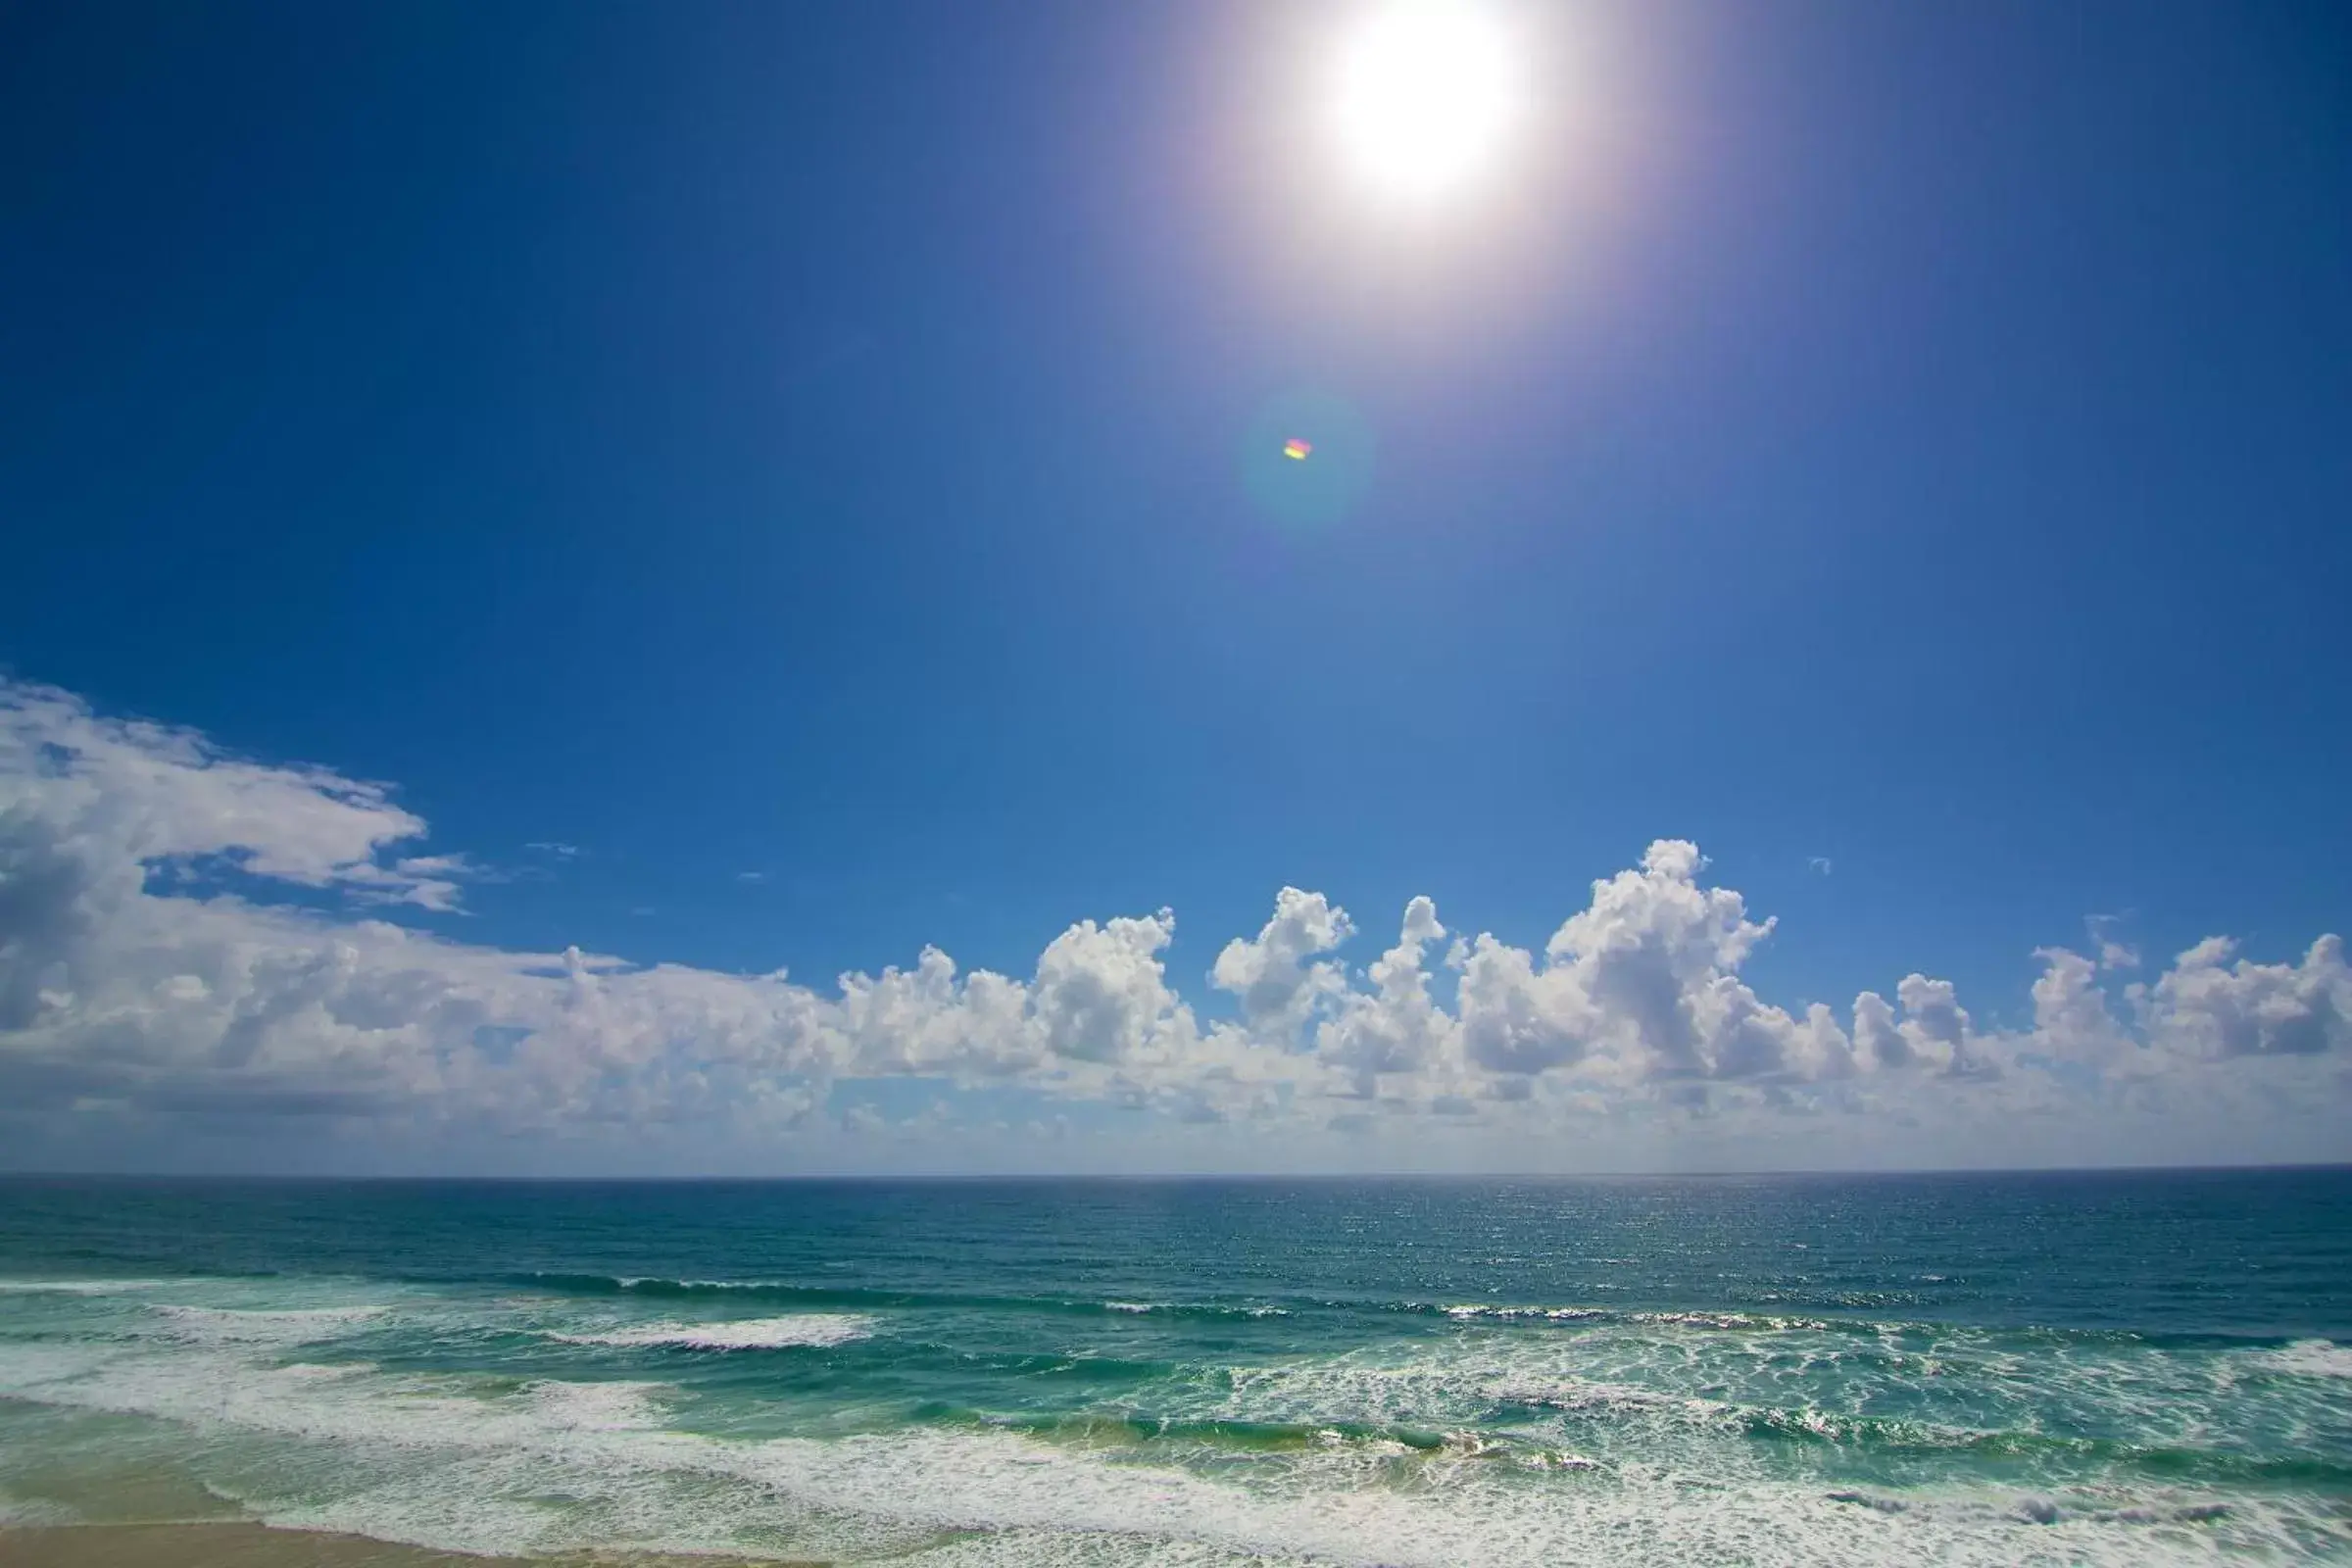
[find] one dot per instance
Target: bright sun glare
(1427, 92)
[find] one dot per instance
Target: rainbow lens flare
(1296, 448)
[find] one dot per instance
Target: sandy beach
(227, 1544)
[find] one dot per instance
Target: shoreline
(249, 1543)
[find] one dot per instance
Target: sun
(1427, 94)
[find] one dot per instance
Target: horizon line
(976, 1177)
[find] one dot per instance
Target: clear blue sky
(810, 441)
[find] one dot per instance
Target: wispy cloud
(170, 798)
(2114, 952)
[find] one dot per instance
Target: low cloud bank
(134, 986)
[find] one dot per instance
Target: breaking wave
(814, 1329)
(469, 1463)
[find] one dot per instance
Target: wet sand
(240, 1543)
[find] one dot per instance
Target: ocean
(1953, 1369)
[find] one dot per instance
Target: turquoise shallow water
(2116, 1368)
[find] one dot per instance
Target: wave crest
(806, 1329)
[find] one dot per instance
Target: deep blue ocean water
(2046, 1368)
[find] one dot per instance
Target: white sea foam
(596, 1406)
(2311, 1358)
(1453, 1388)
(1040, 1548)
(76, 1287)
(809, 1329)
(1473, 1311)
(630, 1281)
(274, 1326)
(468, 1463)
(1479, 1312)
(1132, 1307)
(1695, 1399)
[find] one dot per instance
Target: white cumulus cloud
(1274, 975)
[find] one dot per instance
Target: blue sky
(794, 458)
